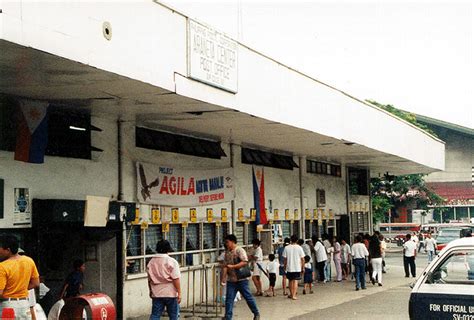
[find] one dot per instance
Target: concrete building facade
(106, 81)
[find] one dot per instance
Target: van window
(458, 268)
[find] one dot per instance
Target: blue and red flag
(32, 131)
(258, 182)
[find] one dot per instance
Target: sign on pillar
(210, 214)
(193, 215)
(240, 214)
(175, 215)
(155, 215)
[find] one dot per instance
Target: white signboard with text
(171, 186)
(212, 57)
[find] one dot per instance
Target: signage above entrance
(170, 186)
(212, 57)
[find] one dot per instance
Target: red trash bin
(100, 306)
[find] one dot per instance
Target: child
(74, 282)
(272, 269)
(308, 275)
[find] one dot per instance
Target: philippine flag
(32, 131)
(258, 181)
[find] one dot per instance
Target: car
(447, 235)
(445, 290)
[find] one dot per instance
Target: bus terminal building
(113, 137)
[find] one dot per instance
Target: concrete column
(302, 213)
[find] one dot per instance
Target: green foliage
(398, 191)
(407, 116)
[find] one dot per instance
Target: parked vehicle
(447, 235)
(395, 232)
(445, 290)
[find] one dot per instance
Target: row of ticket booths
(200, 242)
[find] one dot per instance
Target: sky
(415, 55)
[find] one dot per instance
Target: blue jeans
(359, 265)
(159, 304)
(430, 255)
(231, 290)
(327, 270)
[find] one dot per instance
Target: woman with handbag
(238, 272)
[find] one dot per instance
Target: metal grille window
(286, 228)
(296, 228)
(223, 231)
(152, 235)
(209, 235)
(252, 232)
(239, 232)
(315, 229)
(193, 240)
(307, 229)
(175, 237)
(134, 241)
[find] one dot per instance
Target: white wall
(64, 178)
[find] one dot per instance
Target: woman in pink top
(164, 282)
(337, 258)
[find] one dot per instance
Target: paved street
(340, 300)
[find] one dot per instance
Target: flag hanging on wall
(32, 131)
(258, 181)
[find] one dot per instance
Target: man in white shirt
(409, 254)
(329, 250)
(430, 245)
(321, 258)
(294, 265)
(359, 253)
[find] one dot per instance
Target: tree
(410, 191)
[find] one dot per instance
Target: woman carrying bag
(238, 272)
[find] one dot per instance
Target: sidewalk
(325, 296)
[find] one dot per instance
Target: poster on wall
(172, 186)
(22, 209)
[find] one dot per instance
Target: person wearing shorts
(272, 268)
(294, 265)
(281, 261)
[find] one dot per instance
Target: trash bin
(98, 305)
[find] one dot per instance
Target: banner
(172, 186)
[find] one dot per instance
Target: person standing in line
(18, 274)
(375, 254)
(235, 259)
(383, 247)
(164, 282)
(345, 259)
(281, 261)
(74, 281)
(329, 251)
(308, 275)
(294, 265)
(272, 269)
(337, 258)
(430, 246)
(359, 254)
(257, 259)
(409, 254)
(321, 258)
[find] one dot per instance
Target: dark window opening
(169, 142)
(323, 168)
(267, 159)
(358, 181)
(69, 133)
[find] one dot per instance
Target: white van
(445, 290)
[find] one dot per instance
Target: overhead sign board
(212, 57)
